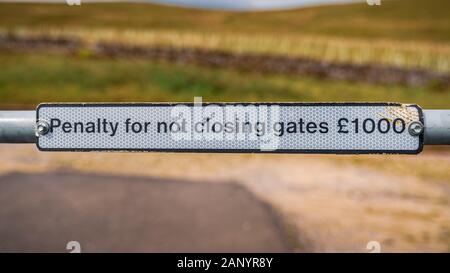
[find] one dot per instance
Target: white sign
(344, 128)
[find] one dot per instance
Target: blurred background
(224, 50)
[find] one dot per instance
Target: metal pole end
(42, 128)
(415, 128)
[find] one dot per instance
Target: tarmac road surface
(42, 212)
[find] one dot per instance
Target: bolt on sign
(341, 128)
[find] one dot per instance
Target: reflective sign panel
(232, 127)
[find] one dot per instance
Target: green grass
(426, 55)
(28, 79)
(403, 33)
(396, 20)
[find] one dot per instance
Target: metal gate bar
(20, 127)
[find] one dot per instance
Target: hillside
(406, 34)
(397, 19)
(401, 33)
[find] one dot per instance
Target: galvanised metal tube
(437, 127)
(17, 126)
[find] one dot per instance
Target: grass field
(426, 55)
(27, 79)
(398, 19)
(402, 33)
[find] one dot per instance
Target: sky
(221, 4)
(249, 4)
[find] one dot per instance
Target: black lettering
(387, 127)
(311, 127)
(127, 125)
(300, 124)
(395, 125)
(54, 123)
(105, 124)
(341, 126)
(174, 127)
(323, 127)
(114, 127)
(228, 128)
(356, 122)
(202, 125)
(66, 127)
(90, 127)
(136, 127)
(162, 124)
(291, 127)
(246, 127)
(278, 127)
(260, 128)
(146, 125)
(99, 129)
(369, 129)
(78, 127)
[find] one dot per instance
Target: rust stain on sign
(403, 111)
